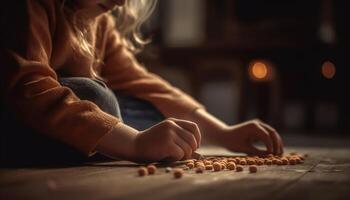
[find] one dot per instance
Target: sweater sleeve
(123, 73)
(30, 86)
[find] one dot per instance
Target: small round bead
(190, 165)
(253, 169)
(237, 160)
(151, 169)
(231, 166)
(209, 167)
(284, 161)
(178, 173)
(216, 166)
(243, 162)
(269, 162)
(199, 170)
(260, 162)
(223, 166)
(279, 162)
(200, 163)
(239, 168)
(208, 162)
(142, 171)
(251, 161)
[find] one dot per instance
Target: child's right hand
(170, 140)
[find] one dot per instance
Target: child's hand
(169, 140)
(241, 138)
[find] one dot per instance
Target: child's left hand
(241, 138)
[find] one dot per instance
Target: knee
(94, 91)
(84, 88)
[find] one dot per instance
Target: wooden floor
(324, 175)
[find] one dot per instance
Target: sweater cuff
(100, 126)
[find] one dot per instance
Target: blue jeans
(134, 112)
(23, 146)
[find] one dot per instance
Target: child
(61, 60)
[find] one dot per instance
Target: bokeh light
(260, 71)
(328, 70)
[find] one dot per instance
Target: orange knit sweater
(36, 49)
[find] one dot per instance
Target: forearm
(210, 126)
(119, 143)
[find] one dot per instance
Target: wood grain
(324, 175)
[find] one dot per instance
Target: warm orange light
(328, 70)
(259, 70)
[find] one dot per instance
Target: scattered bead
(251, 161)
(216, 166)
(231, 166)
(190, 165)
(208, 162)
(279, 162)
(260, 162)
(239, 168)
(178, 173)
(253, 169)
(209, 167)
(142, 171)
(223, 166)
(243, 162)
(269, 162)
(151, 169)
(284, 161)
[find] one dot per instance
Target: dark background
(208, 48)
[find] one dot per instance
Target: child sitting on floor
(69, 73)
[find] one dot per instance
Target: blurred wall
(281, 61)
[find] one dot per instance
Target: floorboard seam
(290, 184)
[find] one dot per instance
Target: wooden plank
(118, 180)
(329, 179)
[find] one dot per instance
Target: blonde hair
(129, 20)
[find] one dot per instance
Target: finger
(188, 138)
(186, 148)
(264, 136)
(185, 135)
(275, 139)
(281, 145)
(175, 154)
(279, 139)
(191, 127)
